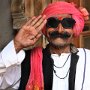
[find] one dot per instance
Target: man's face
(59, 30)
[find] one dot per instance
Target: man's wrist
(17, 46)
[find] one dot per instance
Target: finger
(33, 41)
(40, 21)
(37, 37)
(35, 20)
(39, 28)
(29, 21)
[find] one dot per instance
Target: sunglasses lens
(52, 22)
(68, 22)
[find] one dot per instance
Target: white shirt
(63, 64)
(82, 82)
(10, 68)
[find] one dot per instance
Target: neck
(59, 50)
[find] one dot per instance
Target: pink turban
(66, 8)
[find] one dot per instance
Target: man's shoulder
(83, 51)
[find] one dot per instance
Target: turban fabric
(66, 8)
(35, 81)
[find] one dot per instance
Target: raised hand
(29, 33)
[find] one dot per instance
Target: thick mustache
(56, 34)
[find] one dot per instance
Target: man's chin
(59, 45)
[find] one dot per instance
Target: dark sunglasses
(53, 22)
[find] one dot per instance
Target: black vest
(47, 70)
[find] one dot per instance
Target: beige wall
(6, 32)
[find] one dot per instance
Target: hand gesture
(29, 33)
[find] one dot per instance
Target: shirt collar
(73, 49)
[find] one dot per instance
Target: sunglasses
(53, 22)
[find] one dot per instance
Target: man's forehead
(62, 15)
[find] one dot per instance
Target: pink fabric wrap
(35, 81)
(66, 8)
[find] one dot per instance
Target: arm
(13, 54)
(10, 65)
(27, 36)
(9, 57)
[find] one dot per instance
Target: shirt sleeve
(9, 57)
(10, 66)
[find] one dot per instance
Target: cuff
(10, 57)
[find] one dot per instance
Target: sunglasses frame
(65, 22)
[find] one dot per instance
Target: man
(60, 66)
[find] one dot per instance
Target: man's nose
(60, 28)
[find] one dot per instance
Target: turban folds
(62, 7)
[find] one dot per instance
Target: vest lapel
(25, 71)
(74, 59)
(47, 70)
